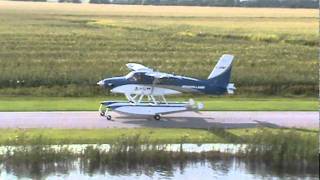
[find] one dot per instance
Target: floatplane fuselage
(143, 82)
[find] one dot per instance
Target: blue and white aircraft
(145, 83)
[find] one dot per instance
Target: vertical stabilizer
(221, 73)
(224, 63)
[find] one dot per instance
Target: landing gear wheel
(157, 117)
(102, 114)
(108, 117)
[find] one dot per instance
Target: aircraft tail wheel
(157, 117)
(108, 117)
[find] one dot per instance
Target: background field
(64, 49)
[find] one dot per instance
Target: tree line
(227, 3)
(222, 3)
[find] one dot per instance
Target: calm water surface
(216, 168)
(220, 169)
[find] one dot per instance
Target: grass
(283, 146)
(77, 136)
(64, 49)
(211, 104)
(281, 150)
(155, 135)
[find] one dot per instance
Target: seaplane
(145, 90)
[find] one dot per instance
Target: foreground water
(186, 147)
(215, 168)
(220, 169)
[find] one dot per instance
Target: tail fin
(221, 73)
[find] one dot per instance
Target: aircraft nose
(101, 83)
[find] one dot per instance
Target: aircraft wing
(159, 75)
(149, 71)
(138, 67)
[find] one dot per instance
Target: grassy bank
(155, 135)
(211, 104)
(76, 136)
(281, 151)
(54, 49)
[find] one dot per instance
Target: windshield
(129, 75)
(134, 76)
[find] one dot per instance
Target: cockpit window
(129, 75)
(134, 76)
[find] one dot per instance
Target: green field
(155, 135)
(211, 104)
(50, 49)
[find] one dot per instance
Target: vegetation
(79, 136)
(281, 3)
(278, 147)
(284, 150)
(154, 135)
(230, 3)
(283, 147)
(210, 104)
(64, 49)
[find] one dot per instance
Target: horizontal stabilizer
(200, 106)
(231, 88)
(195, 106)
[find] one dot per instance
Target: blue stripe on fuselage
(181, 84)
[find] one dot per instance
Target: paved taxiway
(206, 119)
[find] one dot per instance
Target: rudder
(221, 73)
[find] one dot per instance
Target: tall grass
(72, 47)
(284, 150)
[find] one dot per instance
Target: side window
(135, 77)
(165, 80)
(138, 77)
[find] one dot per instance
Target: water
(187, 147)
(220, 169)
(214, 168)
